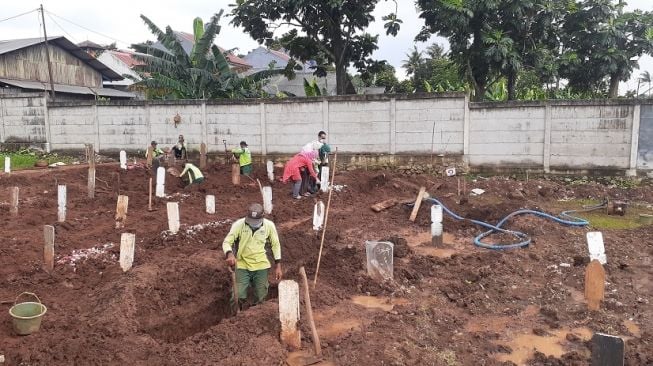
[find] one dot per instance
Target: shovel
(234, 288)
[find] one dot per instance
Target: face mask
(254, 227)
(322, 140)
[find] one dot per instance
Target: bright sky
(118, 20)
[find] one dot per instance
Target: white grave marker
(127, 244)
(379, 259)
(267, 199)
(270, 169)
(324, 179)
(7, 164)
(595, 246)
(289, 313)
(160, 182)
(210, 204)
(173, 217)
(318, 216)
(123, 159)
(436, 225)
(61, 198)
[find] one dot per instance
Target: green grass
(600, 220)
(25, 159)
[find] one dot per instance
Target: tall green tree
(602, 44)
(330, 32)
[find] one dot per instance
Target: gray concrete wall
(551, 135)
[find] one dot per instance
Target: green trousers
(246, 169)
(258, 279)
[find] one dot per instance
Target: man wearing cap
(157, 154)
(244, 248)
(244, 158)
(191, 175)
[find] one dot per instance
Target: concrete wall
(551, 135)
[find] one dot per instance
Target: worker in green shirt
(244, 248)
(191, 175)
(244, 158)
(157, 155)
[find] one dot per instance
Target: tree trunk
(512, 80)
(614, 86)
(342, 79)
(479, 91)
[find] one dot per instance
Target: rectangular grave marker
(324, 179)
(270, 170)
(210, 204)
(202, 155)
(607, 350)
(436, 225)
(48, 249)
(267, 199)
(121, 211)
(596, 247)
(150, 152)
(160, 181)
(289, 313)
(13, 208)
(91, 182)
(594, 284)
(379, 259)
(123, 159)
(173, 217)
(61, 199)
(318, 215)
(235, 174)
(127, 246)
(7, 164)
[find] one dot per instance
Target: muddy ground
(454, 305)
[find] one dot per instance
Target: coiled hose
(564, 218)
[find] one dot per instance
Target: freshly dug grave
(455, 305)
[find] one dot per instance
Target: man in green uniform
(244, 158)
(191, 175)
(244, 248)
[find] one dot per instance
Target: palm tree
(202, 74)
(644, 77)
(435, 51)
(413, 61)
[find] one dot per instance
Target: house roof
(70, 89)
(89, 44)
(8, 46)
(127, 58)
(187, 41)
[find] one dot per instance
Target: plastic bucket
(26, 316)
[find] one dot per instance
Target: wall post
(264, 132)
(393, 126)
(546, 154)
(96, 121)
(466, 130)
(46, 125)
(204, 123)
(634, 142)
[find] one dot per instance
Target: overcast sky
(119, 21)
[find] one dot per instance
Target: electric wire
(19, 15)
(87, 29)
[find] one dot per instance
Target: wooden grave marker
(13, 208)
(121, 211)
(202, 155)
(289, 313)
(150, 152)
(235, 174)
(48, 249)
(594, 284)
(61, 199)
(127, 247)
(607, 350)
(173, 217)
(418, 203)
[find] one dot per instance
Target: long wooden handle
(309, 313)
(149, 203)
(235, 289)
(326, 217)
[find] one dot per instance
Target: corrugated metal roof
(60, 41)
(70, 89)
(187, 41)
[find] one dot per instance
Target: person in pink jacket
(292, 171)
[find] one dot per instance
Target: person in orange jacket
(292, 171)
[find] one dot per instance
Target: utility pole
(47, 54)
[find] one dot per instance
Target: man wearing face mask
(244, 248)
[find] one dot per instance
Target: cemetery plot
(140, 293)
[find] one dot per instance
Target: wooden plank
(13, 208)
(309, 313)
(378, 207)
(594, 284)
(289, 313)
(121, 211)
(48, 249)
(150, 151)
(418, 203)
(173, 217)
(202, 155)
(127, 247)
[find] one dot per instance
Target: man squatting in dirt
(247, 238)
(292, 171)
(191, 175)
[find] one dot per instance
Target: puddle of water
(524, 345)
(375, 302)
(305, 357)
(633, 328)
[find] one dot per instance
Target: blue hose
(525, 240)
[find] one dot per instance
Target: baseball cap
(254, 214)
(153, 143)
(243, 143)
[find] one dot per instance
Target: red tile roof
(127, 58)
(231, 58)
